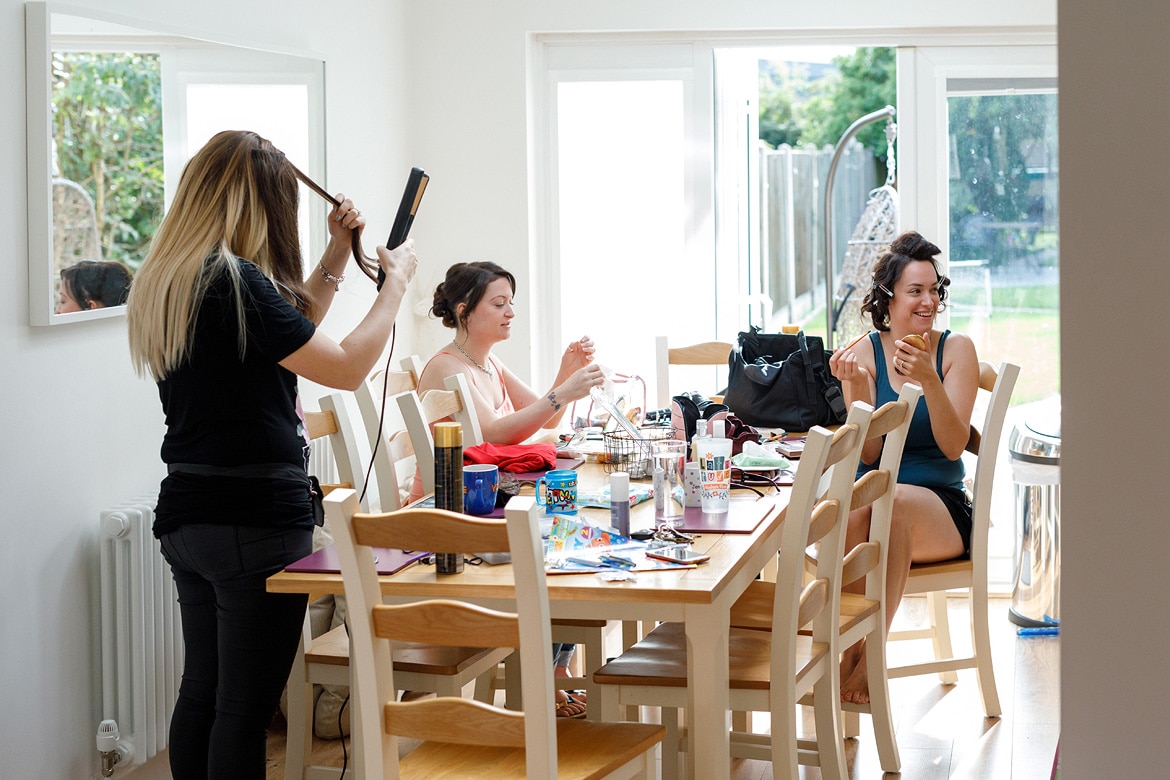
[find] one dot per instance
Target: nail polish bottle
(619, 502)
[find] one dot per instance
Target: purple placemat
(324, 561)
(743, 521)
(562, 463)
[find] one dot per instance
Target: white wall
(1115, 187)
(81, 431)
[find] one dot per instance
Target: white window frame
(924, 157)
(926, 59)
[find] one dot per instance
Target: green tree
(783, 87)
(107, 129)
(862, 82)
(994, 181)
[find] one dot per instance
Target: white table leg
(708, 698)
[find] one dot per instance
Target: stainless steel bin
(1034, 448)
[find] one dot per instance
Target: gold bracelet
(336, 280)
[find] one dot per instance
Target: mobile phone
(678, 555)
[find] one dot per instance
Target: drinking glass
(668, 457)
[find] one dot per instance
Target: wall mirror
(115, 108)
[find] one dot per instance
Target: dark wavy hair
(104, 283)
(465, 283)
(905, 249)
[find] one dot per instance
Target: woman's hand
(579, 383)
(345, 218)
(847, 368)
(912, 362)
(578, 355)
(399, 264)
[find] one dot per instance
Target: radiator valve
(111, 747)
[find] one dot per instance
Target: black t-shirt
(224, 411)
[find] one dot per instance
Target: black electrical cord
(381, 415)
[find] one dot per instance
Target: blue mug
(480, 483)
(556, 491)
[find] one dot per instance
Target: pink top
(505, 407)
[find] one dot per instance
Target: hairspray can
(449, 485)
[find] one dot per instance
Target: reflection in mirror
(115, 109)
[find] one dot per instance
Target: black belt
(250, 471)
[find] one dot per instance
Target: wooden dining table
(699, 597)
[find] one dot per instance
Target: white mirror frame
(38, 64)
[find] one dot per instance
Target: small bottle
(619, 502)
(696, 440)
(659, 483)
(718, 429)
(449, 484)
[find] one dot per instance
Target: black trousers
(239, 642)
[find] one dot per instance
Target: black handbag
(782, 380)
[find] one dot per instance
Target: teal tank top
(923, 463)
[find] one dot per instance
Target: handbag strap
(833, 395)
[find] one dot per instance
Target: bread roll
(915, 341)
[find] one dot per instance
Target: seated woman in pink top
(476, 300)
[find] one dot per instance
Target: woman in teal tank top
(932, 514)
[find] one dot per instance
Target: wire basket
(625, 452)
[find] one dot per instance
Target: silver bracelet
(336, 280)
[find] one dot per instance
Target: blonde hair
(237, 197)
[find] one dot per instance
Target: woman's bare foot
(568, 706)
(855, 681)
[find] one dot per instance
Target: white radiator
(142, 643)
(321, 463)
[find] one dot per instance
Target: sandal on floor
(570, 709)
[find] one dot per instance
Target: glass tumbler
(668, 456)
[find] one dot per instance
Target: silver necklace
(489, 370)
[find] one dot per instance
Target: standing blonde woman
(221, 316)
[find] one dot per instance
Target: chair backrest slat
(458, 721)
(431, 530)
(451, 623)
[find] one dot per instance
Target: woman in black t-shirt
(221, 316)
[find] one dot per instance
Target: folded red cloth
(517, 458)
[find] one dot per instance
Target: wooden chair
(324, 660)
(463, 738)
(969, 574)
(863, 616)
(306, 671)
(709, 353)
(419, 413)
(393, 455)
(772, 665)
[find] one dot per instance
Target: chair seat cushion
(660, 659)
(585, 749)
